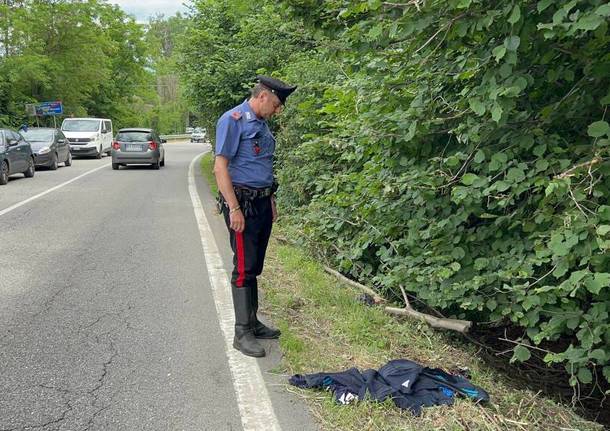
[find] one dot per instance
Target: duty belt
(245, 196)
(248, 193)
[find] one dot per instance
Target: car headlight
(44, 150)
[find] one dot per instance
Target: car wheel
(109, 153)
(115, 166)
(99, 154)
(53, 164)
(155, 165)
(162, 162)
(29, 173)
(68, 161)
(4, 173)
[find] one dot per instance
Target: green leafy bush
(460, 149)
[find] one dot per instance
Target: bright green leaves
(599, 281)
(477, 106)
(521, 354)
(512, 43)
(543, 5)
(598, 129)
(499, 52)
(468, 179)
(515, 15)
(498, 162)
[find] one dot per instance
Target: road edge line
(253, 399)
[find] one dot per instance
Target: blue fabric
(248, 144)
(410, 385)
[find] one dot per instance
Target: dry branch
(435, 322)
(355, 284)
(570, 172)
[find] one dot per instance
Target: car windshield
(37, 135)
(134, 137)
(81, 125)
(198, 130)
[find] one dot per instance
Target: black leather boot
(260, 330)
(244, 340)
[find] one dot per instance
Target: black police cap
(277, 87)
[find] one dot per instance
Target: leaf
(515, 15)
(604, 212)
(469, 178)
(501, 186)
(585, 376)
(479, 156)
(515, 175)
(530, 301)
(542, 165)
(521, 354)
(458, 253)
(543, 5)
(589, 22)
(603, 10)
(480, 263)
(491, 304)
(598, 282)
(512, 43)
(602, 229)
(499, 52)
(477, 106)
(599, 355)
(496, 113)
(598, 129)
(455, 266)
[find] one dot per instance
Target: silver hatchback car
(136, 146)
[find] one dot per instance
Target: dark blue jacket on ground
(407, 383)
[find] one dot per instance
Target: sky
(143, 9)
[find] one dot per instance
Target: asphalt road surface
(107, 315)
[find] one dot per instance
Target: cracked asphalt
(107, 320)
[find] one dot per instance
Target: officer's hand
(238, 222)
(273, 210)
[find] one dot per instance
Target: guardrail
(175, 137)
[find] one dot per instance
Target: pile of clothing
(410, 385)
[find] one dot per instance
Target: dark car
(15, 155)
(49, 146)
(137, 146)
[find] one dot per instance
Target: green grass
(324, 328)
(207, 170)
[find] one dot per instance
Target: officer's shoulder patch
(236, 115)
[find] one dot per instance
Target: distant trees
(90, 55)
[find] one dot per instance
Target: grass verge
(324, 328)
(207, 170)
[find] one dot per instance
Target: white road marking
(252, 397)
(52, 189)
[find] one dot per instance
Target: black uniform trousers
(249, 247)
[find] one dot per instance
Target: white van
(88, 136)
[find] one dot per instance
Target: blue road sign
(49, 108)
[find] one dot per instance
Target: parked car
(15, 155)
(88, 136)
(49, 146)
(189, 130)
(138, 146)
(198, 135)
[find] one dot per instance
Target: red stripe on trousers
(241, 260)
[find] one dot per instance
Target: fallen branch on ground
(435, 322)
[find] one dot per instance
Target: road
(108, 317)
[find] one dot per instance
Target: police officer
(244, 174)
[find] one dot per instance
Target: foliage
(90, 55)
(456, 148)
